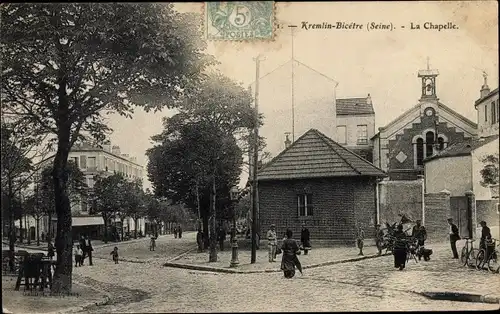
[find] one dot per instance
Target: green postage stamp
(240, 20)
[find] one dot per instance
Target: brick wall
(437, 211)
(339, 206)
(400, 197)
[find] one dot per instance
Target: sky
(382, 63)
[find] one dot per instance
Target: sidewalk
(22, 301)
(316, 258)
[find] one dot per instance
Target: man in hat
(419, 233)
(454, 237)
(360, 240)
(272, 243)
(485, 236)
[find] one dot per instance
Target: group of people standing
(82, 250)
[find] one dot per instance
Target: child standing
(78, 255)
(152, 244)
(115, 255)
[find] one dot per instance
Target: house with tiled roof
(400, 147)
(317, 181)
(355, 120)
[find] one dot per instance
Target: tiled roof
(314, 155)
(353, 106)
(463, 148)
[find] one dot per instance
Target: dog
(425, 253)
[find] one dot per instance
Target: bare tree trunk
(136, 220)
(62, 282)
(49, 225)
(213, 236)
(38, 230)
(105, 218)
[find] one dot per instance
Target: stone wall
(437, 211)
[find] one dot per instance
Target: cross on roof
(428, 63)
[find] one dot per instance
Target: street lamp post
(233, 193)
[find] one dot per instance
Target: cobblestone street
(366, 285)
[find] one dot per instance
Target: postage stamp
(240, 20)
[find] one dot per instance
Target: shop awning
(87, 221)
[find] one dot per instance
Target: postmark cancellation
(240, 20)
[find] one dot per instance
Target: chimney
(116, 150)
(485, 89)
(369, 99)
(106, 146)
(287, 140)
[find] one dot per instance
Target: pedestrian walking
(454, 237)
(175, 232)
(77, 251)
(379, 239)
(221, 237)
(199, 240)
(114, 254)
(305, 239)
(88, 249)
(152, 243)
(272, 242)
(179, 229)
(50, 250)
(360, 240)
(289, 260)
(400, 248)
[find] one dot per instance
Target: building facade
(96, 161)
(429, 126)
(318, 182)
(356, 125)
(488, 114)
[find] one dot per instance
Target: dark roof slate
(314, 155)
(354, 106)
(463, 148)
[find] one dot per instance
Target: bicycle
(493, 265)
(468, 255)
(482, 257)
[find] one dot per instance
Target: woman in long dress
(290, 250)
(400, 248)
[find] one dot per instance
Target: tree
(199, 147)
(65, 65)
(18, 149)
(134, 203)
(490, 173)
(109, 197)
(77, 190)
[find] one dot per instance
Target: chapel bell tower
(428, 83)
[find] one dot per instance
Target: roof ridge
(282, 152)
(324, 138)
(350, 151)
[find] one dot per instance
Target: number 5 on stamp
(240, 20)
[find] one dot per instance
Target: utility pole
(292, 29)
(255, 198)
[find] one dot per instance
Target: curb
(236, 271)
(461, 297)
(104, 301)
